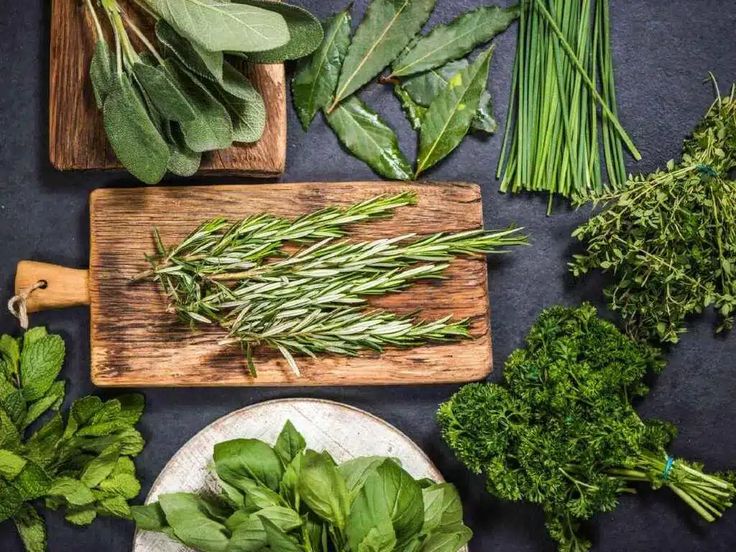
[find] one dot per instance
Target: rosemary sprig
(238, 276)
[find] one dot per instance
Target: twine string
(668, 467)
(18, 304)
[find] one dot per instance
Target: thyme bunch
(669, 238)
(312, 301)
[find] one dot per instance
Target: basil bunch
(443, 94)
(165, 107)
(292, 499)
(83, 465)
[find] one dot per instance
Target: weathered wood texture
(76, 134)
(62, 287)
(135, 342)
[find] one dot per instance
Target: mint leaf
(10, 464)
(52, 400)
(72, 490)
(40, 364)
(101, 467)
(31, 528)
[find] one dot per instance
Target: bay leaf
(132, 135)
(313, 86)
(449, 115)
(305, 32)
(199, 61)
(424, 87)
(386, 29)
(369, 139)
(414, 112)
(212, 128)
(163, 92)
(454, 40)
(101, 73)
(219, 26)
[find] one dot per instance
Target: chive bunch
(563, 99)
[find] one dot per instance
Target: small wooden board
(76, 136)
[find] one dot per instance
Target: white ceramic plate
(344, 431)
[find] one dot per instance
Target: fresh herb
(289, 498)
(563, 74)
(561, 432)
(165, 106)
(669, 238)
(82, 465)
(236, 275)
(429, 77)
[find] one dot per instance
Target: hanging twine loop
(18, 304)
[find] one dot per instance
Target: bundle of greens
(164, 107)
(560, 431)
(563, 75)
(291, 499)
(83, 465)
(310, 302)
(442, 93)
(669, 238)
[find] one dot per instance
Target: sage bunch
(238, 276)
(441, 91)
(181, 95)
(669, 238)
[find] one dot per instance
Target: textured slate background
(663, 51)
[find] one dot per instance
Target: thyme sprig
(238, 275)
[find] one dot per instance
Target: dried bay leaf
(386, 29)
(454, 40)
(450, 114)
(305, 32)
(199, 61)
(313, 86)
(221, 26)
(100, 72)
(163, 93)
(369, 139)
(133, 136)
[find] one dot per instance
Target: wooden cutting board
(76, 135)
(135, 342)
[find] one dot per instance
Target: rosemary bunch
(238, 276)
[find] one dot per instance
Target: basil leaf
(454, 40)
(278, 539)
(100, 72)
(357, 470)
(379, 539)
(313, 86)
(218, 26)
(40, 363)
(443, 541)
(449, 115)
(190, 520)
(323, 489)
(289, 443)
(305, 32)
(423, 88)
(212, 129)
(132, 135)
(248, 534)
(201, 62)
(163, 92)
(386, 29)
(31, 528)
(369, 138)
(442, 507)
(248, 459)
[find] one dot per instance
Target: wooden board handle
(65, 287)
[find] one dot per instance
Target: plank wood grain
(135, 342)
(76, 135)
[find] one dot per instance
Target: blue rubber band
(707, 169)
(668, 467)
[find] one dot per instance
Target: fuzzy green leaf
(369, 138)
(386, 29)
(182, 161)
(222, 26)
(305, 32)
(454, 40)
(450, 114)
(314, 84)
(164, 93)
(202, 62)
(101, 73)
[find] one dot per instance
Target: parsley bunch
(669, 238)
(82, 464)
(560, 431)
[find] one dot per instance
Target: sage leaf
(305, 32)
(236, 83)
(100, 72)
(182, 161)
(132, 135)
(424, 87)
(212, 129)
(31, 528)
(313, 86)
(454, 40)
(369, 139)
(449, 115)
(163, 93)
(218, 26)
(248, 116)
(201, 62)
(386, 29)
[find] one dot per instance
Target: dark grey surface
(663, 51)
